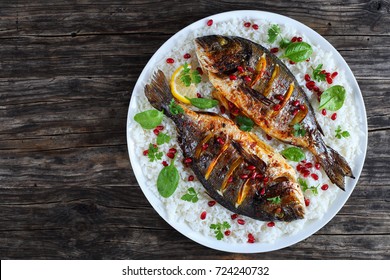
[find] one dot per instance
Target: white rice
(180, 211)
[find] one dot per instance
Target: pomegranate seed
(244, 176)
(262, 191)
(234, 216)
(329, 80)
(323, 112)
(211, 203)
(299, 167)
(277, 107)
(160, 127)
(255, 26)
(259, 176)
(310, 85)
(156, 131)
(205, 146)
(240, 69)
(279, 97)
(227, 232)
(170, 60)
(223, 110)
(307, 78)
(203, 215)
(268, 137)
(307, 202)
(251, 238)
(308, 165)
(271, 224)
(295, 112)
(209, 22)
(165, 163)
(323, 72)
(316, 89)
(187, 160)
(299, 39)
(253, 176)
(334, 116)
(317, 166)
(145, 153)
(200, 71)
(265, 180)
(247, 79)
(251, 167)
(233, 77)
(247, 24)
(292, 62)
(327, 74)
(334, 75)
(198, 95)
(170, 155)
(306, 173)
(191, 178)
(230, 179)
(250, 69)
(314, 176)
(187, 56)
(294, 39)
(231, 105)
(172, 150)
(296, 103)
(324, 187)
(241, 221)
(235, 111)
(307, 60)
(302, 107)
(220, 141)
(274, 50)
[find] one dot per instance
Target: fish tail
(159, 93)
(335, 166)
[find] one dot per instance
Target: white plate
(309, 228)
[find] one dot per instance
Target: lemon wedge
(179, 90)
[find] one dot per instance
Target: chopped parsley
(218, 228)
(275, 200)
(298, 130)
(340, 134)
(318, 75)
(163, 138)
(273, 33)
(175, 108)
(190, 196)
(305, 187)
(188, 76)
(153, 153)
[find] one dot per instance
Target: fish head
(222, 54)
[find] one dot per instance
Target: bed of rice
(180, 211)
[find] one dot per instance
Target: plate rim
(308, 229)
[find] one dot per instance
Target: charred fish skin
(268, 98)
(239, 172)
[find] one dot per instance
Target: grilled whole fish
(252, 79)
(238, 170)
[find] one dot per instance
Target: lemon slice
(179, 90)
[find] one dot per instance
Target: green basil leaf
(163, 138)
(203, 103)
(298, 51)
(284, 43)
(167, 180)
(149, 119)
(333, 98)
(294, 154)
(245, 124)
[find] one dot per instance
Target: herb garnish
(298, 130)
(153, 153)
(190, 196)
(340, 134)
(284, 43)
(175, 108)
(203, 103)
(188, 76)
(318, 75)
(294, 154)
(245, 124)
(218, 228)
(275, 200)
(163, 138)
(333, 98)
(168, 180)
(305, 187)
(149, 119)
(273, 33)
(298, 51)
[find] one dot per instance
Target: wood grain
(67, 69)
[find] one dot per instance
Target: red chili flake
(307, 202)
(308, 165)
(198, 95)
(247, 79)
(334, 75)
(234, 216)
(145, 153)
(262, 191)
(223, 110)
(268, 137)
(292, 62)
(187, 56)
(230, 179)
(211, 203)
(233, 77)
(165, 163)
(247, 24)
(294, 39)
(255, 26)
(205, 146)
(251, 167)
(200, 71)
(317, 166)
(170, 60)
(220, 141)
(203, 215)
(302, 107)
(155, 145)
(191, 178)
(274, 50)
(209, 22)
(172, 150)
(296, 103)
(314, 176)
(251, 238)
(277, 107)
(170, 155)
(187, 160)
(156, 131)
(244, 176)
(323, 112)
(307, 78)
(334, 116)
(324, 187)
(329, 80)
(299, 39)
(241, 221)
(271, 224)
(227, 232)
(240, 69)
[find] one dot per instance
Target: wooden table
(67, 69)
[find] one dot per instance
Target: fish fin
(335, 166)
(159, 93)
(255, 94)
